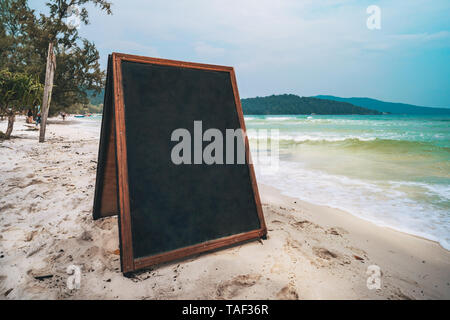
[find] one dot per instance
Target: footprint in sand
(287, 293)
(230, 289)
(336, 231)
(106, 223)
(324, 253)
(32, 182)
(7, 206)
(305, 224)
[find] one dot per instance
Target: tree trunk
(9, 130)
(49, 74)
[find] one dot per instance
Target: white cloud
(130, 47)
(301, 46)
(208, 51)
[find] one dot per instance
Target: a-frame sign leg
(106, 193)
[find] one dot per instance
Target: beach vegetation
(24, 41)
(18, 92)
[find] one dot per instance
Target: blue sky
(305, 47)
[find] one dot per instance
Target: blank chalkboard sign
(153, 169)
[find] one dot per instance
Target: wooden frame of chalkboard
(112, 195)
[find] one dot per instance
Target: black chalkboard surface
(168, 210)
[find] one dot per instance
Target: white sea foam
(416, 204)
(304, 138)
(279, 118)
(382, 203)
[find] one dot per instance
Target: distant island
(293, 104)
(390, 107)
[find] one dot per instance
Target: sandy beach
(312, 252)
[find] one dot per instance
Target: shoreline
(383, 245)
(312, 251)
(361, 218)
(355, 216)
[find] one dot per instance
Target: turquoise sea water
(391, 170)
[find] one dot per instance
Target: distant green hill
(95, 99)
(391, 107)
(293, 104)
(322, 104)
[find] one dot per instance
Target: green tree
(78, 69)
(82, 64)
(17, 29)
(25, 37)
(18, 91)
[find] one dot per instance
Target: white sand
(46, 225)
